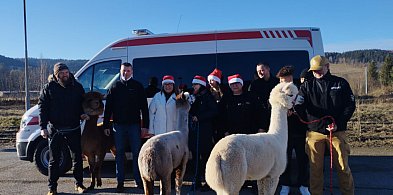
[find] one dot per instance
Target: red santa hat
(199, 80)
(236, 78)
(168, 79)
(215, 75)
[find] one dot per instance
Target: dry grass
(371, 124)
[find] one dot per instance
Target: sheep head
(283, 94)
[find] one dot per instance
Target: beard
(64, 81)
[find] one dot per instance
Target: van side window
(185, 67)
(99, 77)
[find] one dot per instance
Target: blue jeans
(133, 132)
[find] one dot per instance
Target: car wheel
(41, 158)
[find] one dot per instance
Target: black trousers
(302, 179)
(57, 141)
(200, 143)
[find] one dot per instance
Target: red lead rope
(331, 126)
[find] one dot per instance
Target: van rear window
(184, 68)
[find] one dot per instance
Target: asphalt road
(372, 175)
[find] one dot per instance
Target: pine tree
(385, 73)
(372, 71)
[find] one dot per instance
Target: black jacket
(241, 114)
(126, 100)
(61, 106)
(261, 90)
(205, 109)
(328, 96)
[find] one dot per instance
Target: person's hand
(44, 133)
(290, 112)
(144, 131)
(332, 127)
(107, 132)
(194, 119)
(85, 117)
(146, 134)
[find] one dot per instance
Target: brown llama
(95, 144)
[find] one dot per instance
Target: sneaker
(80, 188)
(52, 192)
(304, 190)
(120, 188)
(285, 190)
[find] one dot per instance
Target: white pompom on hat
(168, 79)
(236, 78)
(199, 80)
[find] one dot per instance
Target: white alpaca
(166, 152)
(260, 156)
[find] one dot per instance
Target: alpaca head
(182, 107)
(283, 94)
(92, 103)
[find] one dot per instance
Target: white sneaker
(304, 190)
(285, 190)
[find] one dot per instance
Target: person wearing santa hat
(203, 111)
(216, 89)
(241, 113)
(162, 108)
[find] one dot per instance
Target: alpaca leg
(91, 160)
(99, 162)
(166, 185)
(267, 185)
(148, 186)
(180, 171)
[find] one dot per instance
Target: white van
(182, 55)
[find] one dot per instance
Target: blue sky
(78, 29)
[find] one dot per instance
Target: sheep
(260, 156)
(94, 142)
(166, 152)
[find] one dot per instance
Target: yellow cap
(317, 62)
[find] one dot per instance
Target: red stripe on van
(271, 32)
(284, 33)
(278, 34)
(304, 34)
(190, 38)
(267, 35)
(290, 34)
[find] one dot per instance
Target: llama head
(183, 102)
(283, 94)
(182, 106)
(92, 103)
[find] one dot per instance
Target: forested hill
(19, 63)
(358, 56)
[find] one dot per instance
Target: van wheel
(41, 158)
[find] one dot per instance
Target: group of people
(217, 111)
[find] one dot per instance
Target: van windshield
(99, 77)
(184, 68)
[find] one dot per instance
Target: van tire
(41, 158)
